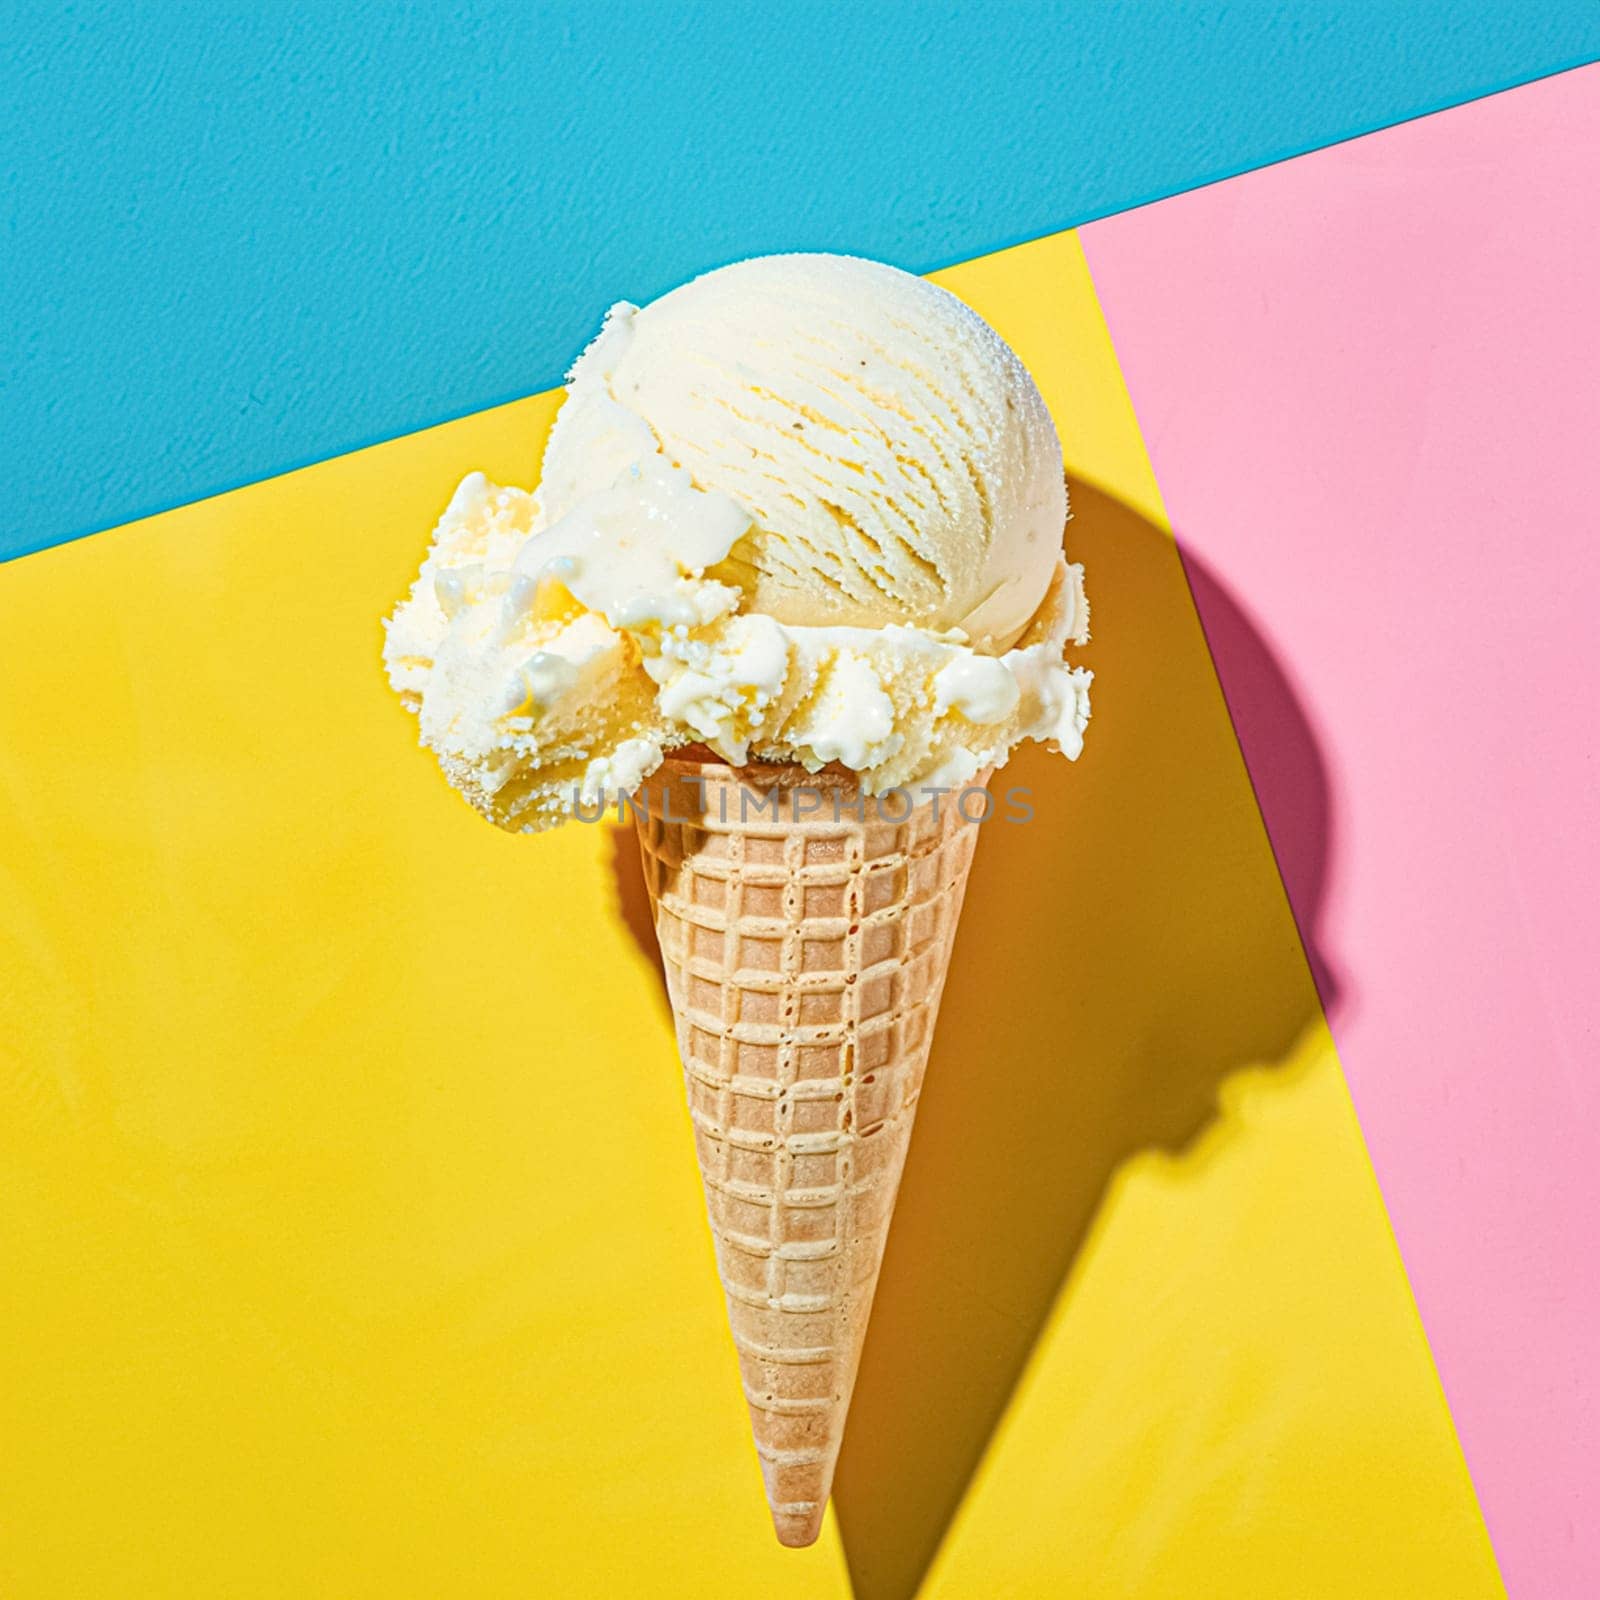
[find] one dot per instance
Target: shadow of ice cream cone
(1120, 954)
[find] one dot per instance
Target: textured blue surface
(240, 240)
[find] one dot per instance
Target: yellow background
(352, 1237)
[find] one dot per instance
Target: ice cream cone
(806, 934)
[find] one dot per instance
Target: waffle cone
(805, 951)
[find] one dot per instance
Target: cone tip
(797, 1525)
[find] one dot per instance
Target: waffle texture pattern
(805, 935)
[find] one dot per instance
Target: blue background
(241, 240)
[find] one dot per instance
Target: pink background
(1370, 383)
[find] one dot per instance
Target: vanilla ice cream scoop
(805, 509)
(896, 460)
